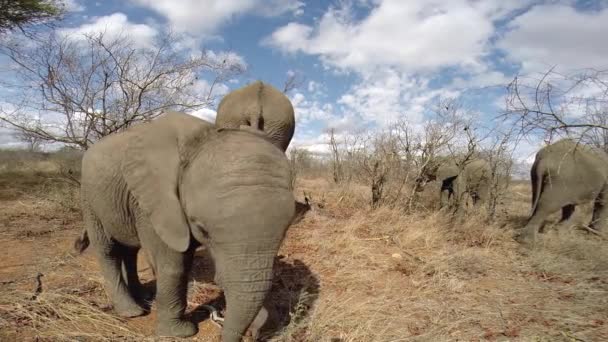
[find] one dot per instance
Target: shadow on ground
(294, 290)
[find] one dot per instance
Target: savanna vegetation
(374, 260)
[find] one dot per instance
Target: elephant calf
(173, 184)
(564, 175)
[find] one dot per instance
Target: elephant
(174, 184)
(474, 179)
(563, 175)
(258, 106)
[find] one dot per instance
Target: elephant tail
(82, 242)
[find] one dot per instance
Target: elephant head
(259, 106)
(227, 189)
(438, 168)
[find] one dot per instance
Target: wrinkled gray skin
(474, 180)
(565, 174)
(173, 184)
(258, 106)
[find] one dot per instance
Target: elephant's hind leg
(600, 211)
(109, 256)
(565, 222)
(129, 270)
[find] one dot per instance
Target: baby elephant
(169, 186)
(563, 175)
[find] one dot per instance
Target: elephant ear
(152, 170)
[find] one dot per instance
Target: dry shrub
(431, 276)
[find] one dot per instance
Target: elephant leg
(172, 269)
(482, 195)
(566, 221)
(444, 198)
(109, 255)
(549, 201)
(599, 220)
(129, 270)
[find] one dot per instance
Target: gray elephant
(169, 186)
(565, 174)
(259, 106)
(474, 180)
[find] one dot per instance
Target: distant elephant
(474, 180)
(176, 183)
(259, 106)
(564, 174)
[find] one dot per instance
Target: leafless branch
(78, 89)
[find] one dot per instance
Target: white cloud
(73, 6)
(207, 114)
(226, 57)
(205, 17)
(398, 49)
(557, 34)
(309, 111)
(410, 35)
(385, 96)
(114, 25)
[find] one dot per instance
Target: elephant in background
(472, 178)
(259, 106)
(565, 174)
(169, 186)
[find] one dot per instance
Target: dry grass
(344, 273)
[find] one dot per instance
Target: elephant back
(260, 106)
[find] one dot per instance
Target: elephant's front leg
(172, 269)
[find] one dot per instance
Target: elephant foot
(128, 310)
(176, 328)
(526, 239)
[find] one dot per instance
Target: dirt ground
(344, 273)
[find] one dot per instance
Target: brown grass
(344, 273)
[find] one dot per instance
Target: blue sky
(367, 63)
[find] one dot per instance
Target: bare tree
(32, 142)
(498, 151)
(556, 104)
(336, 160)
(78, 89)
(294, 80)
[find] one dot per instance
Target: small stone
(397, 256)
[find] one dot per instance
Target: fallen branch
(38, 290)
(593, 231)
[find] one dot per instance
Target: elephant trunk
(246, 279)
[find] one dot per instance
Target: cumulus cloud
(410, 35)
(205, 114)
(113, 26)
(558, 34)
(73, 6)
(205, 17)
(308, 111)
